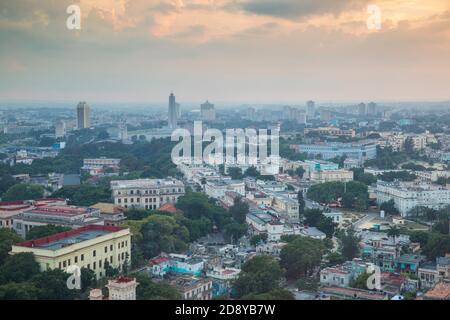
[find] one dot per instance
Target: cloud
(294, 9)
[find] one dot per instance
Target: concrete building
(98, 165)
(208, 113)
(218, 188)
(331, 131)
(192, 288)
(173, 112)
(67, 216)
(359, 150)
(83, 116)
(310, 109)
(86, 247)
(122, 288)
(146, 193)
(60, 129)
(408, 195)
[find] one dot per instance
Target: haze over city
(240, 51)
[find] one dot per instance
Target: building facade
(90, 247)
(407, 196)
(146, 193)
(83, 116)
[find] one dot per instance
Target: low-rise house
(409, 263)
(336, 276)
(339, 293)
(441, 291)
(193, 288)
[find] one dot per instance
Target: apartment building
(146, 193)
(331, 131)
(408, 195)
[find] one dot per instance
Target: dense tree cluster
(354, 194)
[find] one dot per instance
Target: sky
(240, 51)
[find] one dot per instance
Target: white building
(146, 193)
(122, 288)
(410, 195)
(60, 129)
(217, 188)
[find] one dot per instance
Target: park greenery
(353, 194)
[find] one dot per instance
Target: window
(64, 263)
(94, 253)
(82, 257)
(76, 259)
(99, 263)
(111, 248)
(106, 249)
(94, 265)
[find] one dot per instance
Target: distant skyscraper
(362, 109)
(60, 129)
(123, 130)
(83, 115)
(310, 109)
(372, 108)
(325, 115)
(208, 112)
(173, 112)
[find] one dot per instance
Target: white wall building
(146, 193)
(410, 195)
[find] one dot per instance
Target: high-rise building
(208, 112)
(310, 109)
(362, 109)
(372, 108)
(83, 115)
(60, 129)
(173, 112)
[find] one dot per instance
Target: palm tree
(393, 232)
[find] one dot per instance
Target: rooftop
(145, 183)
(68, 238)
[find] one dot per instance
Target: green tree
(257, 238)
(437, 246)
(239, 210)
(149, 290)
(349, 244)
(24, 191)
(234, 231)
(163, 234)
(251, 172)
(361, 281)
(259, 275)
(235, 173)
(389, 207)
(52, 285)
(18, 291)
(7, 239)
(393, 232)
(301, 256)
(18, 268)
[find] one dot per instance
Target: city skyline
(129, 51)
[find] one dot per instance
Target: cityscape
(213, 194)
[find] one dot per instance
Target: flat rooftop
(65, 239)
